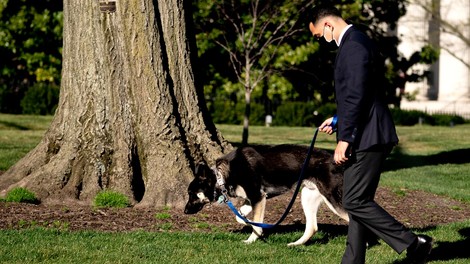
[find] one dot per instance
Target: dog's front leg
(245, 210)
(258, 217)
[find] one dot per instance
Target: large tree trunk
(130, 116)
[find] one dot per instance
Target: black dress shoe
(420, 250)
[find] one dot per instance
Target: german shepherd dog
(260, 172)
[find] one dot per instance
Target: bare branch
(254, 40)
(456, 56)
(454, 29)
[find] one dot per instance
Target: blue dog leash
(297, 188)
(294, 196)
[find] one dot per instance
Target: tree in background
(458, 28)
(30, 51)
(31, 40)
(254, 34)
(379, 19)
(296, 71)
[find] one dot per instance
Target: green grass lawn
(18, 135)
(433, 159)
(55, 246)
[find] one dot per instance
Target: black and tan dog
(257, 173)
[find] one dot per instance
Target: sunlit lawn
(433, 159)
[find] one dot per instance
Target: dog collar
(219, 177)
(221, 185)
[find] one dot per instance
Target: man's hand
(326, 127)
(340, 152)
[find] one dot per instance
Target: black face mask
(331, 46)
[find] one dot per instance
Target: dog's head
(201, 189)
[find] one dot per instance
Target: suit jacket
(364, 119)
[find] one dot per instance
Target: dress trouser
(361, 179)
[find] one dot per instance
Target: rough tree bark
(130, 116)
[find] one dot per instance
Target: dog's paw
(294, 244)
(299, 242)
(249, 240)
(253, 237)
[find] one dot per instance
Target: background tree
(381, 18)
(30, 51)
(131, 117)
(301, 70)
(456, 30)
(252, 33)
(30, 38)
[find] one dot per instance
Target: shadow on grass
(13, 125)
(453, 250)
(398, 160)
(442, 250)
(329, 231)
(445, 251)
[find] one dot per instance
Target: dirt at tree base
(415, 209)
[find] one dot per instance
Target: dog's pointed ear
(219, 162)
(222, 165)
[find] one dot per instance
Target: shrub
(294, 114)
(408, 118)
(447, 120)
(303, 113)
(10, 98)
(40, 99)
(412, 117)
(21, 195)
(323, 112)
(257, 115)
(111, 199)
(310, 114)
(227, 112)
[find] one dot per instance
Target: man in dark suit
(365, 135)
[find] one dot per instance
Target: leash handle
(334, 123)
(294, 196)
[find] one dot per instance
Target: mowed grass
(56, 246)
(18, 135)
(433, 159)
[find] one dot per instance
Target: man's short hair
(321, 11)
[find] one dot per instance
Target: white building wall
(413, 31)
(454, 74)
(448, 87)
